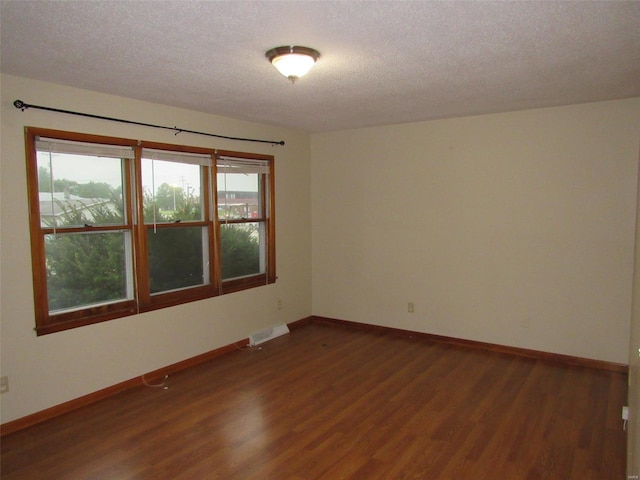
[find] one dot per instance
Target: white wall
(514, 228)
(485, 223)
(48, 370)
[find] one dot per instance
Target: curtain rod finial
(20, 104)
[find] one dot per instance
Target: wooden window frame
(143, 300)
(267, 192)
(147, 300)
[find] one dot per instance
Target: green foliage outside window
(240, 250)
(89, 268)
(175, 258)
(86, 268)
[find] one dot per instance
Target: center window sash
(176, 224)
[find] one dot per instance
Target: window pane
(238, 196)
(87, 268)
(242, 249)
(177, 258)
(171, 191)
(86, 190)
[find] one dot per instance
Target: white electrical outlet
(410, 307)
(279, 304)
(4, 384)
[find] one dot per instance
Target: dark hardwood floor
(328, 402)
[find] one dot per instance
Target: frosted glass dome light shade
(293, 62)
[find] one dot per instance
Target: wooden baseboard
(76, 403)
(41, 416)
(300, 323)
(522, 352)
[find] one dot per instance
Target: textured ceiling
(383, 62)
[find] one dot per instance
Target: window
(176, 225)
(120, 226)
(243, 192)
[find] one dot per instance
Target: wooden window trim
(268, 200)
(143, 301)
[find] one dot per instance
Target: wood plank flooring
(329, 402)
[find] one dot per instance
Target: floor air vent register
(266, 334)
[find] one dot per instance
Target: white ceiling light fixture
(293, 61)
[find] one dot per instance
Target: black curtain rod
(23, 106)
